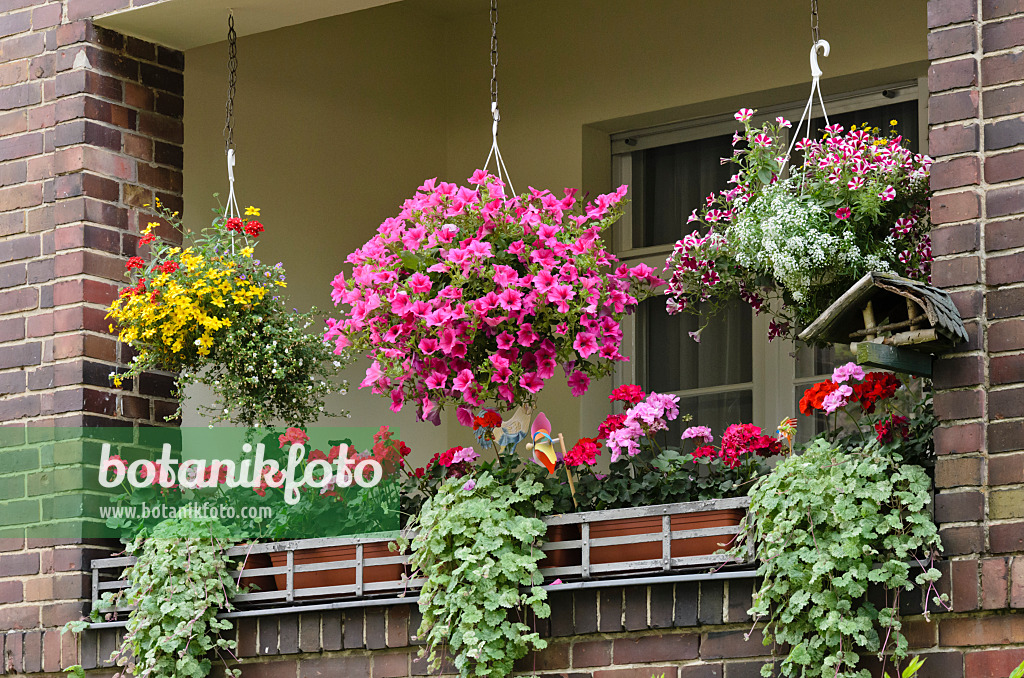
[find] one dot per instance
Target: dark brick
(999, 662)
(1003, 101)
(728, 644)
(945, 12)
(668, 647)
(962, 206)
(955, 138)
(1005, 303)
(610, 620)
(1004, 133)
(588, 653)
(635, 608)
(661, 606)
(959, 507)
(710, 608)
(1004, 167)
(1006, 404)
(995, 70)
(953, 74)
(955, 239)
(376, 629)
(332, 636)
(959, 372)
(584, 605)
(741, 593)
(1004, 201)
(398, 626)
(995, 581)
(687, 596)
(959, 404)
(1006, 538)
(951, 42)
(954, 106)
(353, 628)
(959, 541)
(963, 270)
(333, 667)
(288, 633)
(1006, 436)
(1003, 34)
(1006, 469)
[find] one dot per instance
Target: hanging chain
(494, 51)
(229, 109)
(814, 22)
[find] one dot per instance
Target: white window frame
(774, 380)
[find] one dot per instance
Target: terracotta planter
(341, 577)
(651, 550)
(261, 582)
(562, 557)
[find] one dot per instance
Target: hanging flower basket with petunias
(791, 245)
(212, 312)
(470, 296)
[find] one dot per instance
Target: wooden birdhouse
(891, 322)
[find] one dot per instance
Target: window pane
(813, 361)
(716, 410)
(675, 180)
(675, 362)
(904, 113)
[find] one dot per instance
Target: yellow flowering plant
(210, 311)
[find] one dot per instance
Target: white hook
(495, 116)
(231, 165)
(815, 70)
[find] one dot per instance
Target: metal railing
(352, 572)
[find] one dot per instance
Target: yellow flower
(893, 123)
(150, 226)
(280, 283)
(853, 128)
(117, 381)
(246, 251)
(251, 211)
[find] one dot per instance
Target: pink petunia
(889, 193)
(579, 382)
(843, 213)
(744, 114)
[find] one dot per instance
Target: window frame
(774, 379)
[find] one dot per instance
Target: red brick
(993, 662)
(1006, 538)
(1006, 469)
(959, 404)
(1007, 369)
(46, 16)
(945, 12)
(954, 106)
(1006, 403)
(727, 644)
(390, 665)
(955, 239)
(959, 507)
(13, 123)
(951, 207)
(587, 653)
(23, 46)
(1003, 34)
(959, 372)
(1004, 133)
(951, 42)
(24, 299)
(1006, 303)
(1003, 101)
(21, 146)
(19, 22)
(645, 672)
(1001, 202)
(1001, 68)
(995, 579)
(958, 471)
(20, 197)
(1017, 583)
(963, 270)
(993, 9)
(996, 630)
(11, 592)
(161, 127)
(84, 9)
(964, 540)
(953, 74)
(12, 329)
(667, 647)
(1006, 436)
(1005, 166)
(336, 666)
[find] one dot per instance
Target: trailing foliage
(178, 584)
(477, 545)
(831, 522)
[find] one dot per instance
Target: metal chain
(229, 109)
(494, 51)
(814, 22)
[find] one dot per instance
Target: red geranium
(168, 266)
(875, 387)
(813, 397)
(628, 393)
(253, 228)
(234, 224)
(489, 419)
(583, 453)
(135, 262)
(612, 423)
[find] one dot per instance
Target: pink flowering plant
(470, 296)
(790, 245)
(648, 467)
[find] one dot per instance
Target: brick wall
(90, 130)
(976, 102)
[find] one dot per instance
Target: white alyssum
(791, 238)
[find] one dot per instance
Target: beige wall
(339, 120)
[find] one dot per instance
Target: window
(733, 375)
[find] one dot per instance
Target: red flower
(168, 267)
(627, 393)
(147, 238)
(419, 472)
(233, 224)
(135, 262)
(875, 387)
(253, 228)
(889, 428)
(489, 419)
(583, 453)
(813, 396)
(612, 423)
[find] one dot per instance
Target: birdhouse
(891, 322)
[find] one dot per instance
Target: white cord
(499, 163)
(231, 209)
(815, 87)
